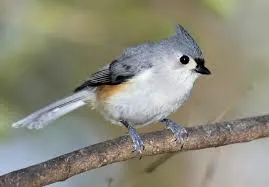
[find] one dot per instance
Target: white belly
(146, 99)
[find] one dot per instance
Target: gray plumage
(185, 43)
(54, 111)
(141, 57)
(155, 63)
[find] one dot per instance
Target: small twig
(120, 149)
(212, 165)
(109, 182)
(153, 166)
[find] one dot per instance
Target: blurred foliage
(221, 7)
(6, 118)
(48, 47)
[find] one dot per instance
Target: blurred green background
(47, 48)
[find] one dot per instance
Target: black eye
(184, 59)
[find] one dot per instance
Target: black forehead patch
(200, 61)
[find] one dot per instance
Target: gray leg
(137, 141)
(179, 132)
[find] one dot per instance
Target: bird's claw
(179, 132)
(138, 144)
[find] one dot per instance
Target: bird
(144, 84)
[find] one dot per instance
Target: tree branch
(120, 149)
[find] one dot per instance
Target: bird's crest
(186, 43)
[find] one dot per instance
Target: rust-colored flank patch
(104, 92)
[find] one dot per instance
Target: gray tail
(54, 111)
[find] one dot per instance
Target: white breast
(151, 96)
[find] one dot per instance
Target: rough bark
(120, 149)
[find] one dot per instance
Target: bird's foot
(138, 144)
(179, 132)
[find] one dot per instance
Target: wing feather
(111, 74)
(120, 70)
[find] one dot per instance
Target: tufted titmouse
(145, 84)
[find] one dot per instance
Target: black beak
(200, 68)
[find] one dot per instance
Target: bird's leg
(137, 141)
(179, 132)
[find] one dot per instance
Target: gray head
(179, 52)
(191, 56)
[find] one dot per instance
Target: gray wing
(101, 77)
(118, 71)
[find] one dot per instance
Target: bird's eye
(184, 59)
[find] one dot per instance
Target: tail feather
(54, 111)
